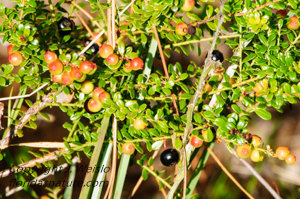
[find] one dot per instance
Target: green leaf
(264, 114)
(145, 174)
(156, 145)
(178, 143)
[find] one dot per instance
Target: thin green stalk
(55, 25)
(241, 50)
(102, 13)
(75, 125)
(9, 108)
(65, 104)
(156, 176)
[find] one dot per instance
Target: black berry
(169, 157)
(192, 30)
(93, 49)
(217, 56)
(64, 23)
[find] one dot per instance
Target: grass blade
(69, 189)
(9, 108)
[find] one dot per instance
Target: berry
(128, 148)
(87, 87)
(205, 136)
(136, 64)
(83, 77)
(106, 50)
(75, 73)
(127, 68)
(138, 124)
(99, 40)
(112, 59)
(103, 96)
(192, 30)
(64, 23)
(92, 105)
(45, 197)
(217, 56)
(181, 29)
(169, 157)
(56, 67)
(243, 151)
(256, 141)
(207, 88)
(56, 78)
(196, 142)
(15, 58)
(282, 13)
(188, 5)
(97, 91)
(87, 67)
(94, 48)
(257, 156)
(50, 57)
(290, 159)
(66, 78)
(231, 81)
(282, 152)
(294, 23)
(220, 76)
(9, 49)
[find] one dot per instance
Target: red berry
(188, 5)
(106, 50)
(87, 67)
(243, 151)
(127, 68)
(93, 106)
(56, 78)
(182, 29)
(50, 57)
(282, 152)
(56, 68)
(103, 96)
(196, 142)
(256, 141)
(137, 64)
(66, 78)
(138, 124)
(257, 156)
(97, 91)
(15, 58)
(290, 159)
(282, 13)
(9, 49)
(112, 59)
(294, 23)
(128, 148)
(87, 87)
(75, 73)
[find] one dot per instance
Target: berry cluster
(15, 58)
(94, 104)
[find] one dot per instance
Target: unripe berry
(50, 57)
(256, 141)
(128, 148)
(231, 81)
(257, 156)
(106, 50)
(56, 78)
(127, 68)
(92, 106)
(282, 152)
(294, 23)
(87, 67)
(95, 35)
(207, 88)
(9, 49)
(87, 87)
(56, 67)
(97, 91)
(290, 159)
(66, 78)
(195, 141)
(136, 64)
(15, 58)
(181, 29)
(83, 77)
(188, 5)
(75, 73)
(103, 96)
(112, 59)
(243, 151)
(205, 136)
(45, 197)
(138, 124)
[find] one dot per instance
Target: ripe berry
(181, 29)
(138, 124)
(56, 67)
(94, 48)
(192, 30)
(64, 23)
(83, 77)
(282, 152)
(87, 67)
(103, 96)
(136, 64)
(290, 159)
(106, 50)
(256, 141)
(9, 49)
(243, 151)
(282, 13)
(195, 141)
(112, 59)
(87, 87)
(127, 68)
(128, 148)
(56, 78)
(257, 156)
(15, 58)
(45, 197)
(169, 157)
(92, 105)
(97, 91)
(66, 78)
(217, 56)
(75, 73)
(50, 57)
(188, 5)
(294, 23)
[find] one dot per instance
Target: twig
(113, 23)
(115, 155)
(91, 43)
(228, 173)
(130, 4)
(40, 145)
